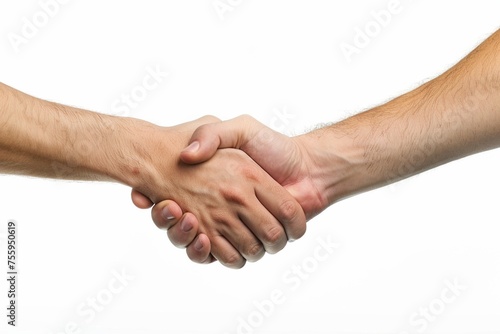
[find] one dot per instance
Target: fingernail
(198, 245)
(166, 214)
(186, 225)
(193, 147)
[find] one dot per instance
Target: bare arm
(46, 139)
(452, 116)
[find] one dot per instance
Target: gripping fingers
(284, 207)
(166, 214)
(265, 227)
(226, 254)
(199, 250)
(181, 229)
(184, 232)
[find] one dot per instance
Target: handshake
(228, 191)
(231, 191)
(244, 189)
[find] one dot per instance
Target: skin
(452, 116)
(237, 205)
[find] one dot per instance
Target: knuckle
(291, 215)
(202, 129)
(233, 194)
(274, 238)
(246, 118)
(288, 211)
(232, 260)
(255, 252)
(209, 118)
(248, 172)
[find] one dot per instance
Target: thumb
(207, 138)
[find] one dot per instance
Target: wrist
(340, 160)
(371, 149)
(128, 152)
(332, 159)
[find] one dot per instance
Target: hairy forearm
(45, 139)
(452, 116)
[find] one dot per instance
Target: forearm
(452, 116)
(45, 139)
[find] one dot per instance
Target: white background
(397, 245)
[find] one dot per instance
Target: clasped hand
(237, 191)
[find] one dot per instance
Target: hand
(182, 229)
(241, 209)
(287, 160)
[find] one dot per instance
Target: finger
(199, 250)
(229, 134)
(226, 253)
(283, 207)
(240, 237)
(166, 214)
(184, 232)
(265, 227)
(232, 243)
(140, 200)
